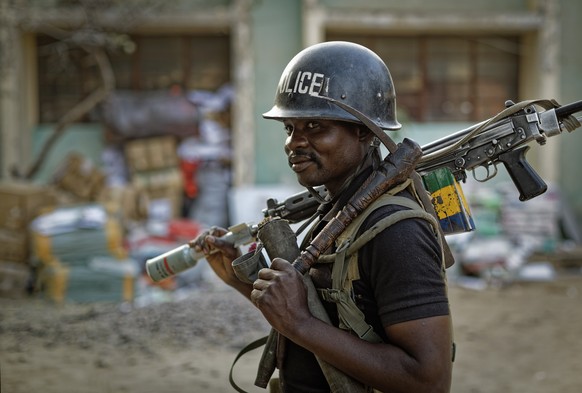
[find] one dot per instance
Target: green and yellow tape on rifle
(449, 201)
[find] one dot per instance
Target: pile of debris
(513, 241)
(84, 234)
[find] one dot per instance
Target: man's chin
(307, 182)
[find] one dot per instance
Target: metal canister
(184, 257)
(172, 262)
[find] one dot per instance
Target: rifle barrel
(561, 112)
(566, 110)
(448, 140)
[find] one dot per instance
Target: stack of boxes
(80, 256)
(155, 177)
(20, 203)
(85, 264)
(536, 222)
(79, 177)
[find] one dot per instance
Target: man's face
(324, 152)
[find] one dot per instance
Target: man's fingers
(217, 231)
(281, 264)
(260, 284)
(217, 242)
(210, 241)
(255, 297)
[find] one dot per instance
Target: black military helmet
(343, 71)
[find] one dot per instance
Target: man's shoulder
(388, 206)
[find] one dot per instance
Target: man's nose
(295, 139)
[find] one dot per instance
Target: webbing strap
(384, 223)
(384, 199)
(249, 347)
(393, 218)
(350, 316)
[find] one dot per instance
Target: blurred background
(127, 127)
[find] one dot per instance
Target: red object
(183, 230)
(189, 169)
(168, 284)
(253, 247)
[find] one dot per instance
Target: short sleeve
(401, 273)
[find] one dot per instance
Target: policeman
(394, 283)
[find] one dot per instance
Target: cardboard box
(136, 156)
(21, 202)
(159, 193)
(80, 177)
(151, 154)
(94, 282)
(76, 247)
(14, 279)
(14, 245)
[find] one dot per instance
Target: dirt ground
(525, 337)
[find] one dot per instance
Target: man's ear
(364, 134)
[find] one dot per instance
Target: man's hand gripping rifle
(504, 138)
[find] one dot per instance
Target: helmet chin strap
(392, 146)
(380, 134)
(328, 199)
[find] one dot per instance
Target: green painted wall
(85, 139)
(277, 38)
(276, 32)
(571, 88)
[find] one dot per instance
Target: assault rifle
(504, 138)
(503, 141)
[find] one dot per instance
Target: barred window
(447, 78)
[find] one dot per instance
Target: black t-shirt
(401, 279)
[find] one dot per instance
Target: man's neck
(340, 200)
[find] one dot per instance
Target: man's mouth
(299, 163)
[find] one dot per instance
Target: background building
(454, 63)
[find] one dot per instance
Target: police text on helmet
(305, 82)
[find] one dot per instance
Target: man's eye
(312, 124)
(288, 129)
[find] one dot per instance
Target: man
(398, 284)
